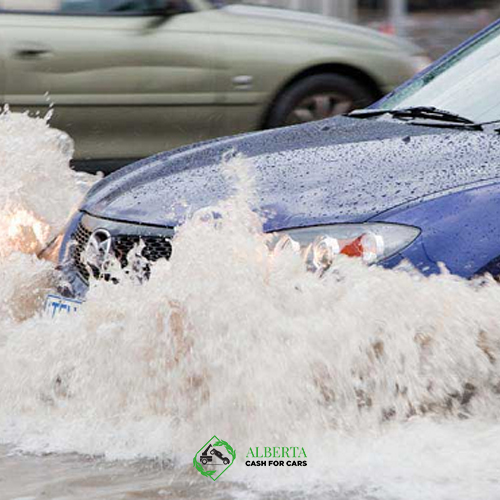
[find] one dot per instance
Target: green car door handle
(32, 52)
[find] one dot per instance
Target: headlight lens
(319, 245)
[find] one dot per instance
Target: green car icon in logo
(214, 458)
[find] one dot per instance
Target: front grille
(155, 247)
(77, 249)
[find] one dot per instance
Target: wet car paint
(443, 180)
(461, 229)
(343, 170)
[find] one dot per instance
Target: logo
(288, 454)
(214, 458)
(98, 249)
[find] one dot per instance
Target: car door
(124, 83)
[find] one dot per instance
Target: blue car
(416, 177)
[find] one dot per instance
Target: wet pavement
(440, 31)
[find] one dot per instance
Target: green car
(129, 78)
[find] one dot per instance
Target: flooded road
(439, 31)
(388, 380)
(420, 460)
(79, 478)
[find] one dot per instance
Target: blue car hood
(338, 170)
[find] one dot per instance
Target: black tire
(204, 461)
(318, 97)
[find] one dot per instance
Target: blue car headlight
(373, 242)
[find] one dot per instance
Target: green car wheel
(318, 97)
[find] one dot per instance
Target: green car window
(83, 6)
(110, 6)
(30, 5)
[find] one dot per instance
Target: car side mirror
(165, 9)
(169, 8)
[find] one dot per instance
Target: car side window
(83, 6)
(30, 5)
(110, 6)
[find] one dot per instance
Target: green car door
(124, 81)
(131, 78)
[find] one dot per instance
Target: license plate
(55, 305)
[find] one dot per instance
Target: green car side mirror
(172, 7)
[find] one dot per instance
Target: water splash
(38, 189)
(389, 380)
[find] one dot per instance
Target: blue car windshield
(466, 83)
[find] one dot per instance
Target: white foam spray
(389, 380)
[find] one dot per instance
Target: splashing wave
(389, 380)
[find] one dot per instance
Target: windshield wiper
(419, 112)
